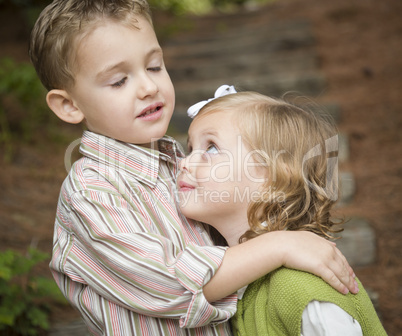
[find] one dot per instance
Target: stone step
(344, 150)
(219, 30)
(246, 45)
(358, 242)
(347, 187)
(304, 83)
(242, 65)
(180, 123)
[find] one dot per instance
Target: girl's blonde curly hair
(298, 149)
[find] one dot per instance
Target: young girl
(256, 165)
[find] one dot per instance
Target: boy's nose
(147, 87)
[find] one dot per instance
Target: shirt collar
(141, 162)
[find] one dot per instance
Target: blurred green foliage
(179, 7)
(175, 6)
(24, 3)
(24, 115)
(28, 9)
(24, 298)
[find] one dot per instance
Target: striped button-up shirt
(123, 254)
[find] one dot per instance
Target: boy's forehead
(105, 38)
(87, 28)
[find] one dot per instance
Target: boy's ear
(61, 103)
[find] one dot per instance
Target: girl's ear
(60, 102)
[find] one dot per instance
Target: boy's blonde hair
(62, 25)
(281, 136)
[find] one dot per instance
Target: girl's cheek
(204, 175)
(223, 173)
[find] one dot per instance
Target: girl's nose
(183, 164)
(192, 161)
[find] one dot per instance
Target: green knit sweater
(274, 304)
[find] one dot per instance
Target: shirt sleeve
(325, 318)
(123, 258)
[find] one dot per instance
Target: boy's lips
(151, 112)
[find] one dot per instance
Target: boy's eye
(155, 69)
(119, 83)
(212, 149)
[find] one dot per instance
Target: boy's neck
(151, 145)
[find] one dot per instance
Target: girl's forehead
(212, 125)
(215, 118)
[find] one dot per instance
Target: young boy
(123, 255)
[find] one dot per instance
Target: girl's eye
(120, 83)
(212, 149)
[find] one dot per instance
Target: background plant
(30, 8)
(25, 298)
(24, 115)
(179, 7)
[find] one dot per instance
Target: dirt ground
(360, 48)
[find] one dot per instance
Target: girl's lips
(152, 112)
(183, 186)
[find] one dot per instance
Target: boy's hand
(301, 250)
(308, 252)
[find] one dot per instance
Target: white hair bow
(220, 92)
